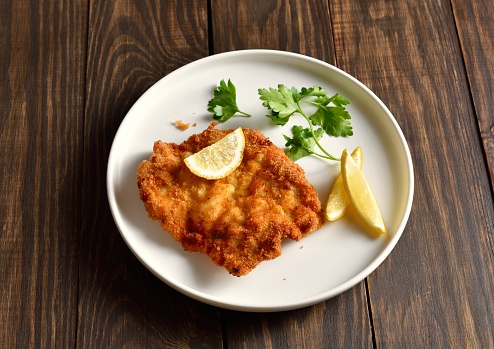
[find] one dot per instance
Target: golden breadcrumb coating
(240, 220)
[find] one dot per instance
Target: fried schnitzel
(239, 220)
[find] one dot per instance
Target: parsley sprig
(224, 102)
(330, 117)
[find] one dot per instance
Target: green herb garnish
(331, 117)
(224, 102)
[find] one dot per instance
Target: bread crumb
(284, 279)
(182, 125)
(301, 247)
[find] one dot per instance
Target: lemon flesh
(360, 195)
(219, 159)
(338, 200)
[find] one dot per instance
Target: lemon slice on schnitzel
(219, 159)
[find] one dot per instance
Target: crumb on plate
(182, 125)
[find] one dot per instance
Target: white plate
(320, 266)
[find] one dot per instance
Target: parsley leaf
(331, 115)
(224, 102)
(334, 121)
(281, 101)
(302, 143)
(277, 119)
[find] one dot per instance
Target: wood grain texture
(273, 24)
(41, 106)
(289, 25)
(475, 25)
(131, 45)
(427, 294)
(324, 325)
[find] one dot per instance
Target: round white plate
(320, 266)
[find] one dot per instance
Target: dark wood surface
(71, 70)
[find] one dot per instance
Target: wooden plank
(475, 25)
(425, 295)
(289, 25)
(131, 45)
(273, 24)
(41, 101)
(341, 322)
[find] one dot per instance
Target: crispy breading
(239, 220)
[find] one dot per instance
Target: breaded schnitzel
(239, 220)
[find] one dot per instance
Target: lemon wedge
(219, 159)
(338, 200)
(360, 196)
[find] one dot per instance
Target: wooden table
(72, 69)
